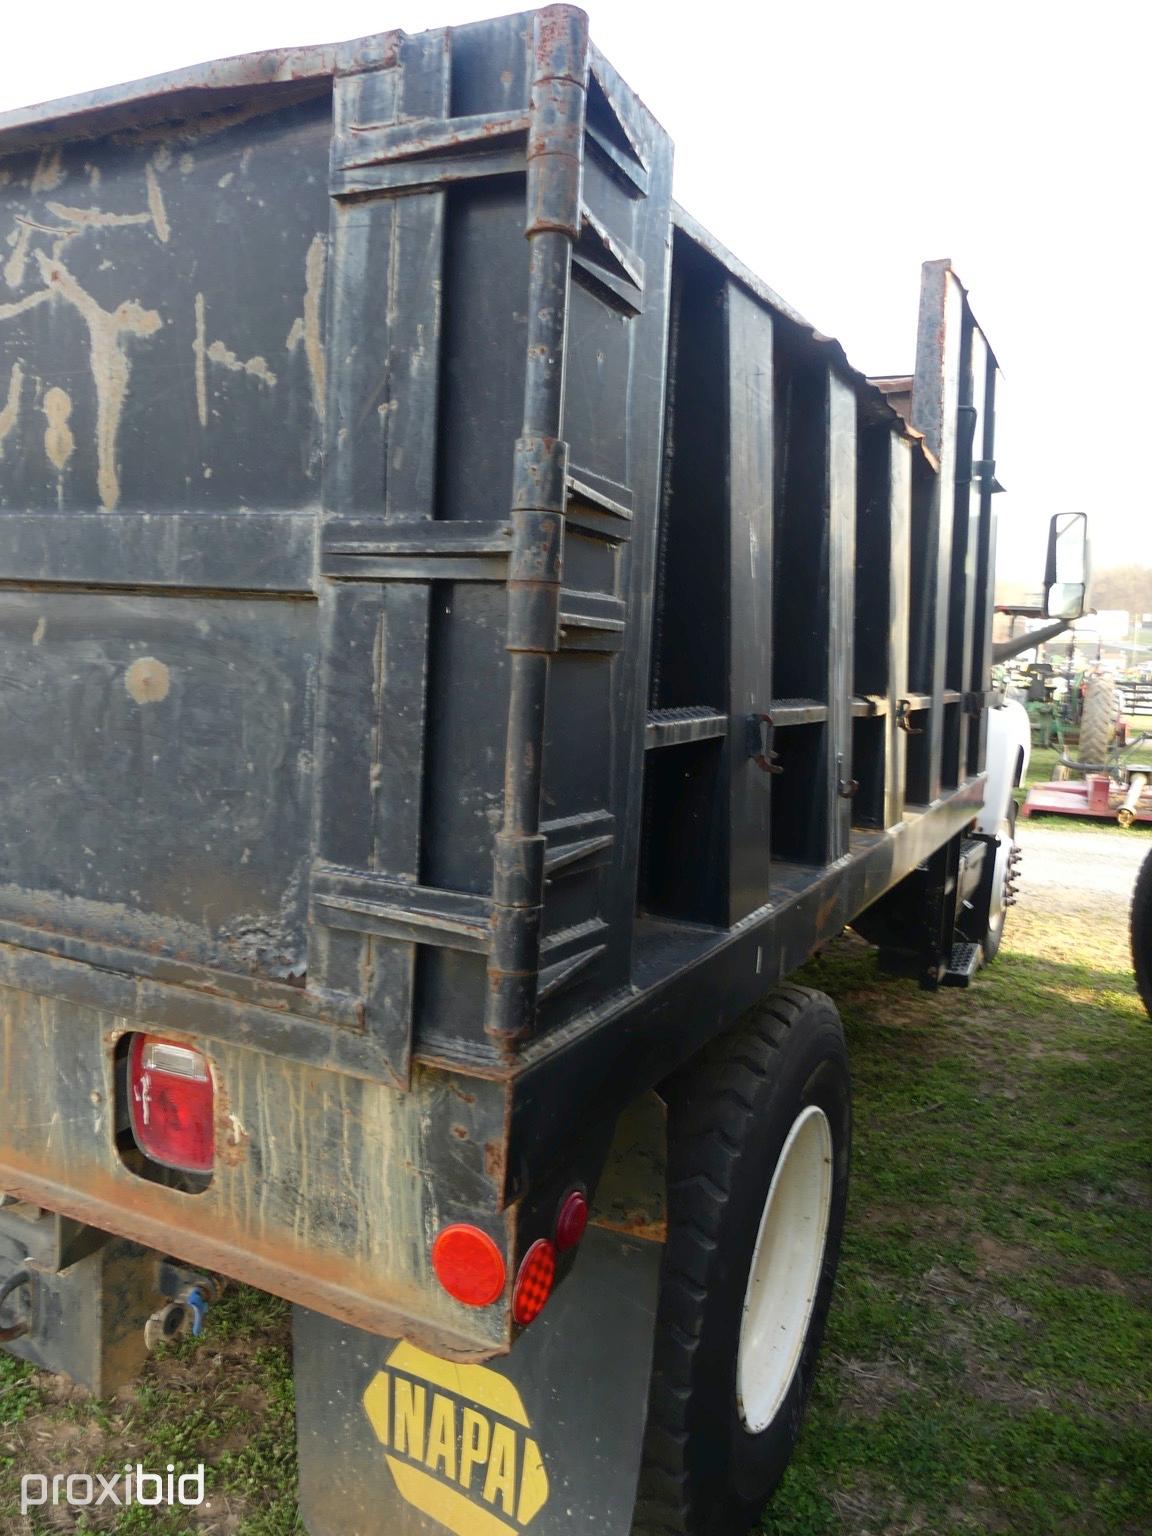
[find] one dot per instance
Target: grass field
(988, 1364)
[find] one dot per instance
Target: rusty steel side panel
(327, 1188)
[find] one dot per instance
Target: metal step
(963, 965)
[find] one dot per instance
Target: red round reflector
(572, 1220)
(534, 1282)
(469, 1265)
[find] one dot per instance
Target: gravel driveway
(1078, 870)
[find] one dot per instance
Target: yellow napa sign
(458, 1443)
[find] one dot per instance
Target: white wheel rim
(785, 1272)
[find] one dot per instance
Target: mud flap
(545, 1442)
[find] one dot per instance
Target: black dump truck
(467, 642)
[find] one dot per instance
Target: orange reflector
(572, 1220)
(469, 1265)
(534, 1282)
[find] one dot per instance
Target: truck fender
(1009, 749)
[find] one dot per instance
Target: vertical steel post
(555, 163)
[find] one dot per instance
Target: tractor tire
(1097, 721)
(759, 1135)
(1141, 932)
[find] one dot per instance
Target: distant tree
(1123, 586)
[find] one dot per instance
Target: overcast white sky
(834, 147)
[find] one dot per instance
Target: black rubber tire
(704, 1473)
(1097, 720)
(1141, 932)
(993, 938)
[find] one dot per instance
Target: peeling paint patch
(306, 328)
(198, 350)
(156, 210)
(95, 217)
(10, 311)
(14, 266)
(256, 366)
(148, 680)
(10, 415)
(49, 172)
(59, 444)
(111, 369)
(40, 631)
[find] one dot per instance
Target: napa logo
(458, 1443)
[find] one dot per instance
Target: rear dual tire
(759, 1136)
(1141, 932)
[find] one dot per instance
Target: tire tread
(720, 1103)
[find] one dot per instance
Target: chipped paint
(148, 680)
(221, 354)
(18, 240)
(256, 366)
(156, 210)
(40, 631)
(111, 369)
(93, 218)
(306, 328)
(10, 415)
(10, 311)
(49, 172)
(59, 444)
(199, 350)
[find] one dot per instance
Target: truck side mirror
(1066, 571)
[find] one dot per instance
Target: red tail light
(534, 1282)
(572, 1220)
(171, 1104)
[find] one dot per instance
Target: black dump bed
(456, 626)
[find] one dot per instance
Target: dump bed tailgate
(281, 492)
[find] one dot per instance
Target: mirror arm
(1009, 648)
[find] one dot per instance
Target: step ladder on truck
(477, 642)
